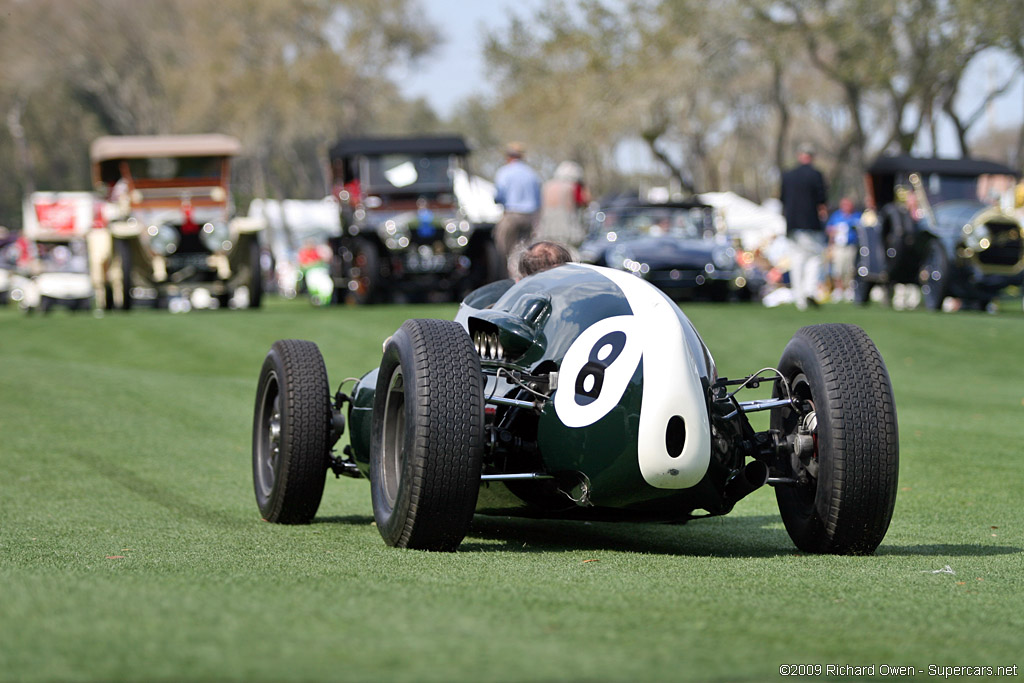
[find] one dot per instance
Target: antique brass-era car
(171, 233)
(581, 392)
(404, 228)
(939, 226)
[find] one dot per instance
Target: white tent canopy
(755, 224)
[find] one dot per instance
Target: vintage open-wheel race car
(581, 392)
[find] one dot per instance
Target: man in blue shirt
(517, 189)
(842, 242)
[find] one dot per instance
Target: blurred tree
(286, 78)
(718, 93)
(722, 93)
(562, 83)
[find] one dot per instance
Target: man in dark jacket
(803, 204)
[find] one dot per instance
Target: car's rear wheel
(934, 276)
(899, 233)
(123, 288)
(291, 432)
(848, 471)
(427, 444)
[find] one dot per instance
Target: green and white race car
(581, 392)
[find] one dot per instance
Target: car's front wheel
(255, 276)
(934, 276)
(291, 432)
(428, 436)
(847, 458)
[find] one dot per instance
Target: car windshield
(168, 168)
(944, 188)
(408, 173)
(691, 222)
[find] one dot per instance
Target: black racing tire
(291, 432)
(934, 276)
(255, 276)
(847, 501)
(426, 449)
(124, 264)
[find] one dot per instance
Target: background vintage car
(49, 264)
(939, 225)
(405, 228)
(674, 246)
(171, 233)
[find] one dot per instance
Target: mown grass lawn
(131, 547)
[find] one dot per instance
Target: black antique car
(938, 226)
(403, 228)
(674, 246)
(581, 392)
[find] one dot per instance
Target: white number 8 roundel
(596, 370)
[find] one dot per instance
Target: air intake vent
(488, 346)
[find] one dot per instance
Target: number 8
(603, 354)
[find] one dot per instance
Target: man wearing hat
(517, 189)
(803, 205)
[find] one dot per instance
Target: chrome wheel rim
(393, 443)
(268, 452)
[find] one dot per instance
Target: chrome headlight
(394, 232)
(456, 231)
(724, 259)
(216, 236)
(624, 258)
(163, 239)
(977, 237)
(620, 257)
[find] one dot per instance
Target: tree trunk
(779, 99)
(677, 173)
(22, 156)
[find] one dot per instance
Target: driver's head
(541, 256)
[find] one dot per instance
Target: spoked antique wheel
(365, 279)
(291, 428)
(847, 447)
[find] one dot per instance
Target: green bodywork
(595, 467)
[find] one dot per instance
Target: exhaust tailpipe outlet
(752, 477)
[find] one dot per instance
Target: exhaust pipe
(752, 477)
